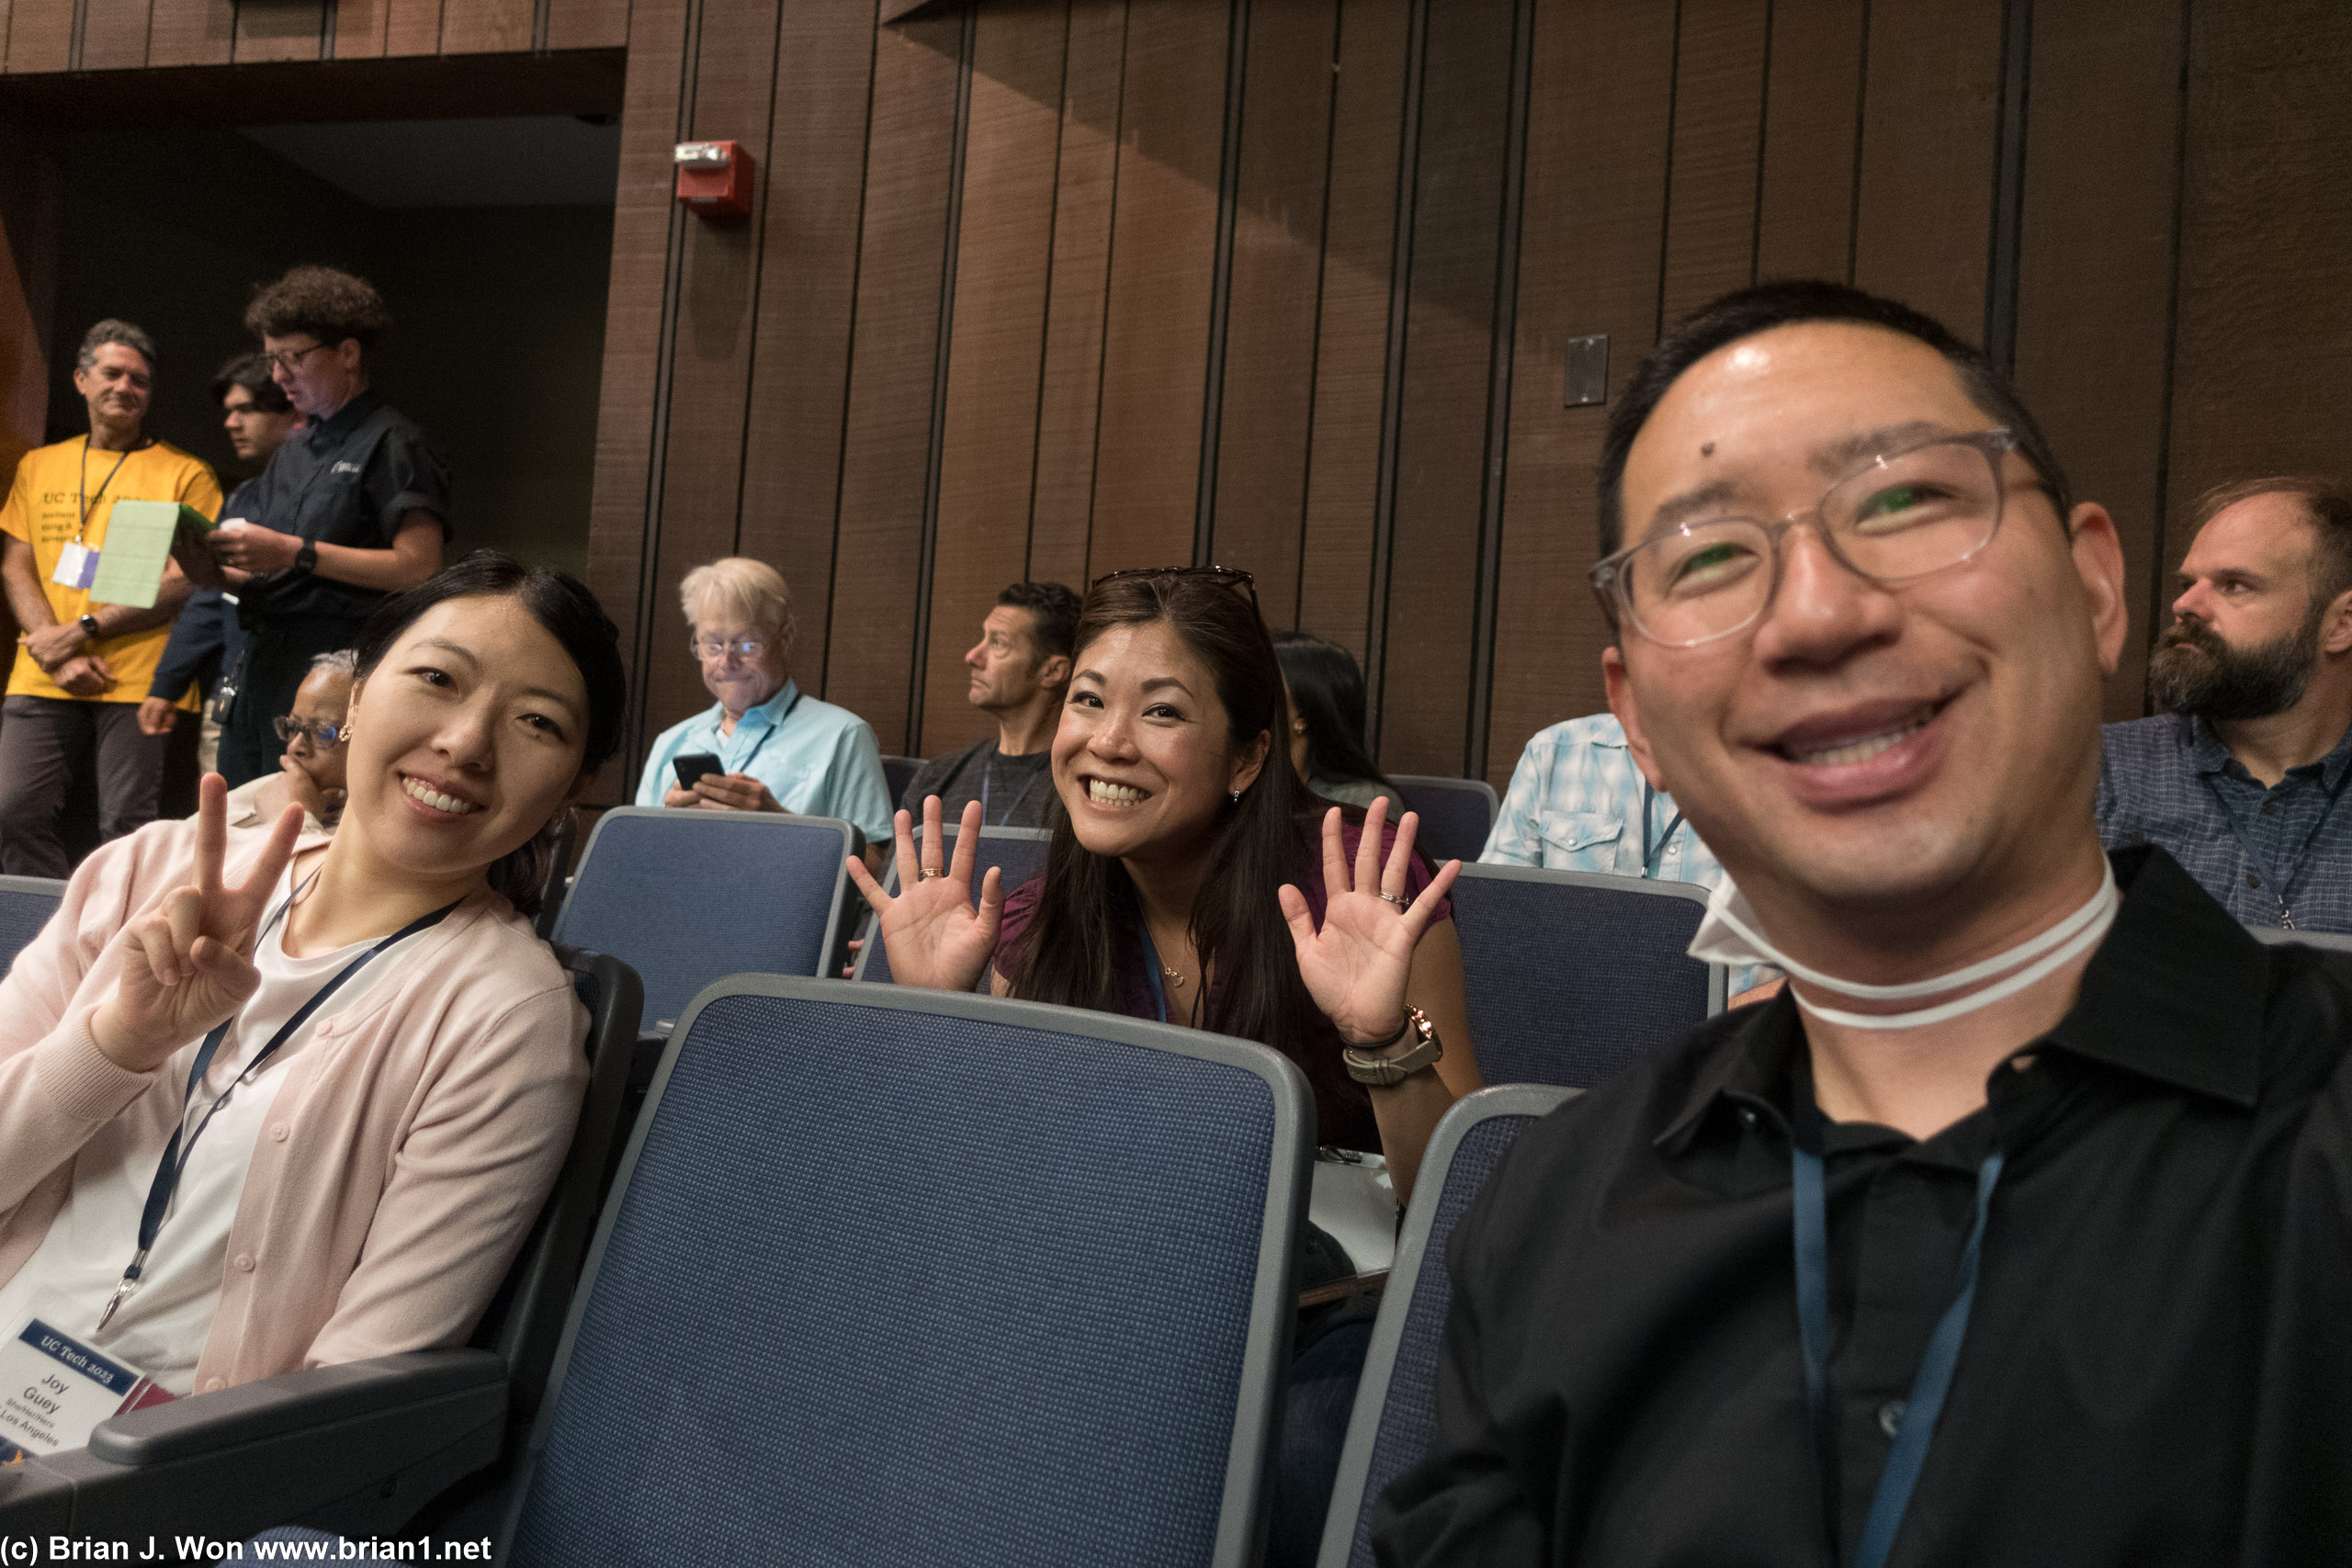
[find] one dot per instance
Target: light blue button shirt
(816, 759)
(1576, 802)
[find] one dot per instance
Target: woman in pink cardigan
(271, 1100)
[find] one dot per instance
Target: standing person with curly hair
(354, 507)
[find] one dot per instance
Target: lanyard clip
(129, 1283)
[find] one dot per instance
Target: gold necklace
(1173, 977)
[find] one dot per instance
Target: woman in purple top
(1192, 878)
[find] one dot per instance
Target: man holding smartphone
(765, 745)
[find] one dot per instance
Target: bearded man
(2241, 774)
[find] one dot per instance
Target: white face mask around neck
(1732, 934)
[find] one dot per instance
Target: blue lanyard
(1150, 968)
(1930, 1385)
(1649, 798)
(987, 777)
(2263, 865)
(174, 1164)
(771, 729)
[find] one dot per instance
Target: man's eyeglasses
(288, 358)
(720, 647)
(1901, 516)
(324, 736)
(1225, 576)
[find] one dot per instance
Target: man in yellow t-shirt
(82, 668)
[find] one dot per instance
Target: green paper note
(132, 556)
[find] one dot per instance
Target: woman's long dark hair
(1067, 953)
(567, 609)
(1327, 690)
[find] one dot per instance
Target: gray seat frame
(1242, 1520)
(1397, 1303)
(1718, 976)
(2279, 936)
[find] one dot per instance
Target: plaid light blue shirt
(1578, 802)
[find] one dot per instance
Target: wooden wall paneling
(815, 163)
(6, 7)
(486, 26)
(893, 368)
(41, 36)
(996, 339)
(604, 24)
(647, 226)
(2095, 276)
(279, 30)
(1804, 217)
(1362, 266)
(1424, 683)
(361, 28)
(32, 220)
(114, 35)
(1062, 500)
(1268, 382)
(1590, 263)
(1712, 171)
(1156, 325)
(411, 27)
(710, 347)
(2265, 327)
(1924, 196)
(196, 32)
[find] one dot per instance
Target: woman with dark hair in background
(1327, 708)
(345, 1064)
(1192, 878)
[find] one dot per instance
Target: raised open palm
(1356, 965)
(934, 936)
(187, 961)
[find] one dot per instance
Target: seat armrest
(290, 1405)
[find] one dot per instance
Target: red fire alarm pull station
(715, 178)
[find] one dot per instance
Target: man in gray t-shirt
(1020, 669)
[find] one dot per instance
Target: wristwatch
(89, 625)
(1380, 1072)
(307, 558)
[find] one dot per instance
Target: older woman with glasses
(311, 774)
(765, 745)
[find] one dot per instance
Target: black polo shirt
(346, 479)
(2157, 1370)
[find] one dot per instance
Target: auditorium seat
(26, 904)
(1456, 815)
(1394, 1415)
(898, 773)
(1018, 853)
(686, 897)
(904, 1276)
(2327, 942)
(360, 1447)
(1570, 974)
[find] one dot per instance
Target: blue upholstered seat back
(26, 904)
(1019, 853)
(891, 1288)
(1456, 815)
(686, 897)
(1571, 977)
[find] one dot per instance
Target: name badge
(54, 1390)
(77, 566)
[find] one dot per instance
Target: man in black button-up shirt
(353, 508)
(1893, 744)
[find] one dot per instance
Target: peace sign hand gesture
(187, 962)
(935, 938)
(1356, 967)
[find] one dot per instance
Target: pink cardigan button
(278, 1133)
(244, 1263)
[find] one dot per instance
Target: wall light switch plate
(1588, 370)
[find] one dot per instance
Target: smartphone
(693, 765)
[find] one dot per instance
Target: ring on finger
(930, 870)
(1396, 898)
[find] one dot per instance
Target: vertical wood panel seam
(1322, 271)
(664, 357)
(1666, 198)
(1228, 183)
(1045, 317)
(1763, 139)
(1392, 388)
(1110, 260)
(540, 10)
(2162, 545)
(2003, 265)
(1502, 365)
(758, 272)
(330, 15)
(849, 351)
(918, 668)
(73, 38)
(1861, 129)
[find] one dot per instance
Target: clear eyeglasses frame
(324, 736)
(1905, 514)
(289, 359)
(720, 647)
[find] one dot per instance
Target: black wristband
(89, 623)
